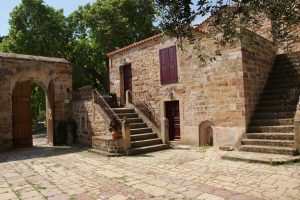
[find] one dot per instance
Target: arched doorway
(22, 113)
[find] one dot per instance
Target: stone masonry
(224, 91)
(15, 68)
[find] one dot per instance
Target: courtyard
(184, 172)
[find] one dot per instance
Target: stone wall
(206, 92)
(16, 68)
(90, 118)
(258, 55)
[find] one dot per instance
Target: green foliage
(38, 105)
(102, 27)
(36, 29)
(229, 15)
(84, 37)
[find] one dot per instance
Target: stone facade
(223, 92)
(89, 117)
(15, 68)
(93, 124)
(109, 145)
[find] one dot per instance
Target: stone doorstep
(272, 159)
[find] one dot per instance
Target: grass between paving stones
(123, 179)
(203, 149)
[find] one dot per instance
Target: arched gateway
(17, 73)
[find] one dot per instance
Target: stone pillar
(126, 134)
(165, 130)
(297, 130)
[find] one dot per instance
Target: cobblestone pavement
(59, 173)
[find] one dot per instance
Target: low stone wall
(109, 145)
(93, 124)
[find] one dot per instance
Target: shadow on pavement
(39, 152)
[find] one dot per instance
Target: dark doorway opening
(127, 77)
(173, 115)
(38, 107)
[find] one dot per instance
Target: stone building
(237, 100)
(17, 73)
(217, 97)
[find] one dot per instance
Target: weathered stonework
(223, 92)
(16, 68)
(108, 144)
(93, 124)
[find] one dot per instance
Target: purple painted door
(172, 113)
(127, 79)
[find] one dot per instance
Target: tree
(105, 26)
(36, 29)
(230, 14)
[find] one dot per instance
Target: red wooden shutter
(164, 66)
(173, 65)
(168, 65)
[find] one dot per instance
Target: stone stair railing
(148, 114)
(111, 115)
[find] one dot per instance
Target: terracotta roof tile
(135, 44)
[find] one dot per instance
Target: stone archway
(22, 115)
(53, 75)
(206, 134)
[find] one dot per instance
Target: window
(168, 65)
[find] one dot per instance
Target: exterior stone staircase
(272, 126)
(143, 138)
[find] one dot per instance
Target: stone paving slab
(182, 173)
(272, 159)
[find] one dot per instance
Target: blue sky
(6, 6)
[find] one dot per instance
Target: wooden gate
(22, 125)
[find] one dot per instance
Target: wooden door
(127, 79)
(50, 113)
(172, 113)
(22, 124)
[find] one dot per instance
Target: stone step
(271, 129)
(282, 85)
(287, 63)
(134, 120)
(273, 115)
(271, 136)
(282, 81)
(144, 136)
(123, 110)
(263, 142)
(269, 149)
(281, 108)
(267, 97)
(287, 73)
(148, 142)
(137, 125)
(140, 131)
(147, 149)
(277, 102)
(127, 115)
(272, 122)
(285, 56)
(275, 91)
(252, 157)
